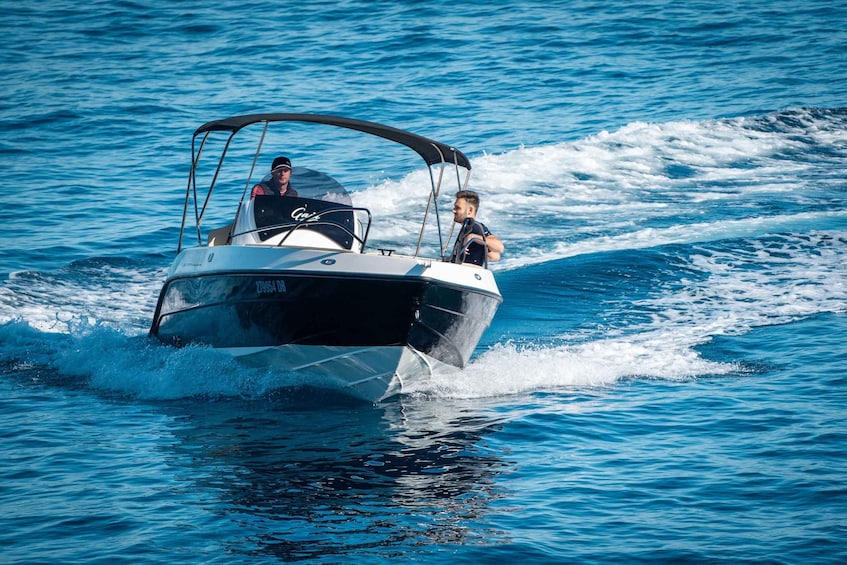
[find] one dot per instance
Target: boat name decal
(273, 286)
(301, 214)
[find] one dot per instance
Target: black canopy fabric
(433, 152)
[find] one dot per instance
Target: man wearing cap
(278, 184)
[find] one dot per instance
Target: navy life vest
(477, 252)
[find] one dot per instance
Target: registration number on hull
(274, 286)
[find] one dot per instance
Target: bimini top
(433, 152)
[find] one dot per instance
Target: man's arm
(495, 247)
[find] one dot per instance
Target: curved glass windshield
(316, 185)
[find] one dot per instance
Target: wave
(702, 232)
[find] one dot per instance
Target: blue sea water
(664, 382)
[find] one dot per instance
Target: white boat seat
(219, 236)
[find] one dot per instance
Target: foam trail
(640, 186)
(680, 234)
(506, 369)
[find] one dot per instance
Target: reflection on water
(301, 481)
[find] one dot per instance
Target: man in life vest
(280, 182)
(475, 244)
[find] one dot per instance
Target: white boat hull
(371, 374)
(366, 325)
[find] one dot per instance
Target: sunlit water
(664, 382)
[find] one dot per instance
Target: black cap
(281, 162)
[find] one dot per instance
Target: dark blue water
(664, 382)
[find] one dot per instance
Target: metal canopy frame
(434, 153)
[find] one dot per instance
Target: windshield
(316, 185)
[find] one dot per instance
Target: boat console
(321, 216)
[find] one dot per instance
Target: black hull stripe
(265, 310)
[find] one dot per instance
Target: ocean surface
(666, 380)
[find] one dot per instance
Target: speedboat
(292, 284)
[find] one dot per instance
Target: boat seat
(220, 236)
